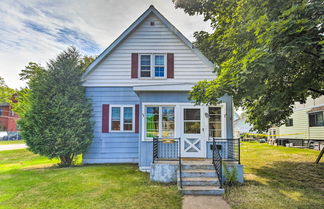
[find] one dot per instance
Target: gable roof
(132, 27)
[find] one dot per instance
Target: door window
(192, 121)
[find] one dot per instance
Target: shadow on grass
(293, 174)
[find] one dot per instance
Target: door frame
(202, 135)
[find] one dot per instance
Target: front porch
(196, 176)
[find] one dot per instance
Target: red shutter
(105, 118)
(136, 118)
(134, 73)
(170, 65)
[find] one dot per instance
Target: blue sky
(37, 30)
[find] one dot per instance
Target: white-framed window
(152, 66)
(215, 122)
(159, 121)
(121, 118)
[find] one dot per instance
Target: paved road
(12, 146)
(204, 202)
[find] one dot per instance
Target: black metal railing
(230, 149)
(218, 162)
(168, 149)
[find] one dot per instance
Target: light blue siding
(111, 147)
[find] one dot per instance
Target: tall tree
(57, 123)
(5, 91)
(269, 53)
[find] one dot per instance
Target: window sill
(152, 78)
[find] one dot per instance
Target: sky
(37, 30)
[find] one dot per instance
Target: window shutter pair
(170, 65)
(105, 118)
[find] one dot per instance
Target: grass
(278, 177)
(30, 181)
(12, 142)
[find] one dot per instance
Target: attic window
(152, 23)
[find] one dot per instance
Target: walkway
(204, 202)
(12, 147)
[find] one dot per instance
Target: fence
(301, 143)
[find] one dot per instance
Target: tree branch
(321, 92)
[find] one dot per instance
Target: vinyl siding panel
(113, 147)
(115, 69)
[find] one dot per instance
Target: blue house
(139, 88)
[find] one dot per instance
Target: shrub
(57, 123)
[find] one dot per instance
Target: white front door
(192, 132)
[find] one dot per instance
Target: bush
(58, 124)
(230, 175)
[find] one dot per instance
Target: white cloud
(37, 30)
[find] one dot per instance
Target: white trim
(132, 27)
(165, 87)
(146, 169)
(223, 121)
(121, 118)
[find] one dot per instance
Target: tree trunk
(66, 160)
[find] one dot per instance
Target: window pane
(159, 60)
(215, 122)
(192, 127)
(319, 119)
(115, 113)
(145, 73)
(145, 60)
(168, 122)
(152, 121)
(128, 118)
(145, 66)
(159, 72)
(115, 118)
(192, 114)
(128, 114)
(311, 119)
(115, 125)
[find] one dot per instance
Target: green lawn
(278, 177)
(12, 142)
(31, 181)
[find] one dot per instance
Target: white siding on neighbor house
(301, 123)
(115, 69)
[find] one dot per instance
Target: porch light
(207, 115)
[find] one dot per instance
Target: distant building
(306, 122)
(241, 126)
(8, 118)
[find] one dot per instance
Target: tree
(57, 123)
(5, 92)
(269, 54)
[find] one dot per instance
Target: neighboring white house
(306, 122)
(240, 125)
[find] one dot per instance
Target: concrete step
(198, 173)
(202, 190)
(187, 166)
(198, 181)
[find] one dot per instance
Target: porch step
(202, 190)
(190, 166)
(198, 173)
(197, 181)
